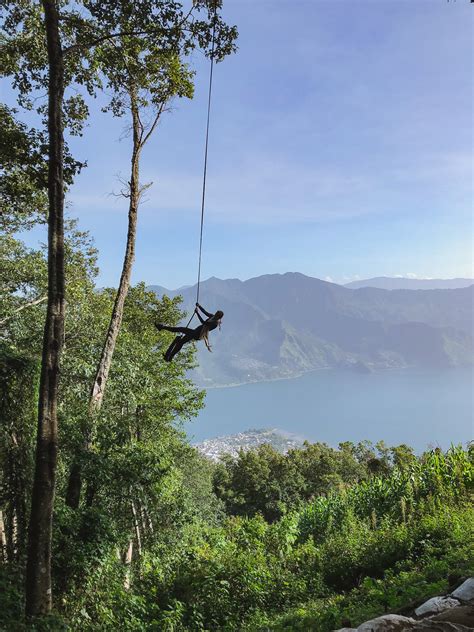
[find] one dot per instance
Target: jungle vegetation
(109, 519)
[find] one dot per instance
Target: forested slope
(316, 539)
(165, 540)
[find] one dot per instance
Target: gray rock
(463, 615)
(346, 630)
(429, 625)
(435, 605)
(465, 592)
(387, 623)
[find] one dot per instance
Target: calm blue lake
(420, 408)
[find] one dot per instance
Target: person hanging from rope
(187, 334)
(213, 320)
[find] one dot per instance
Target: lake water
(416, 407)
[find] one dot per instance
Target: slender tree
(38, 570)
(53, 46)
(33, 39)
(144, 74)
(32, 53)
(175, 83)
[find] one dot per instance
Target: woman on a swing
(198, 333)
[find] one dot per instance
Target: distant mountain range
(283, 325)
(401, 283)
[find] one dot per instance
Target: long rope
(203, 198)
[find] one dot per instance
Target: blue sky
(340, 147)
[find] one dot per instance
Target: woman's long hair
(205, 327)
(205, 336)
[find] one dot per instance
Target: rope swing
(203, 197)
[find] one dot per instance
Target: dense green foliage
(372, 546)
(271, 483)
(162, 539)
(348, 558)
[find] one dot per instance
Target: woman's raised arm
(204, 311)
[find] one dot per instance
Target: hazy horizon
(343, 284)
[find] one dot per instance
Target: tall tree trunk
(136, 526)
(3, 540)
(16, 473)
(105, 362)
(38, 569)
(73, 493)
(127, 560)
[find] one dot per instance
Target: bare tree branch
(30, 304)
(104, 38)
(112, 36)
(155, 122)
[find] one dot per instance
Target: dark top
(208, 324)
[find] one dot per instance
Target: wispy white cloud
(254, 192)
(261, 189)
(411, 275)
(452, 168)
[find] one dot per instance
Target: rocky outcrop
(435, 605)
(428, 625)
(465, 592)
(464, 615)
(387, 623)
(445, 613)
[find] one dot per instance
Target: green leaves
(442, 476)
(23, 174)
(266, 481)
(113, 45)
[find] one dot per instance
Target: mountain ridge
(407, 283)
(282, 325)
